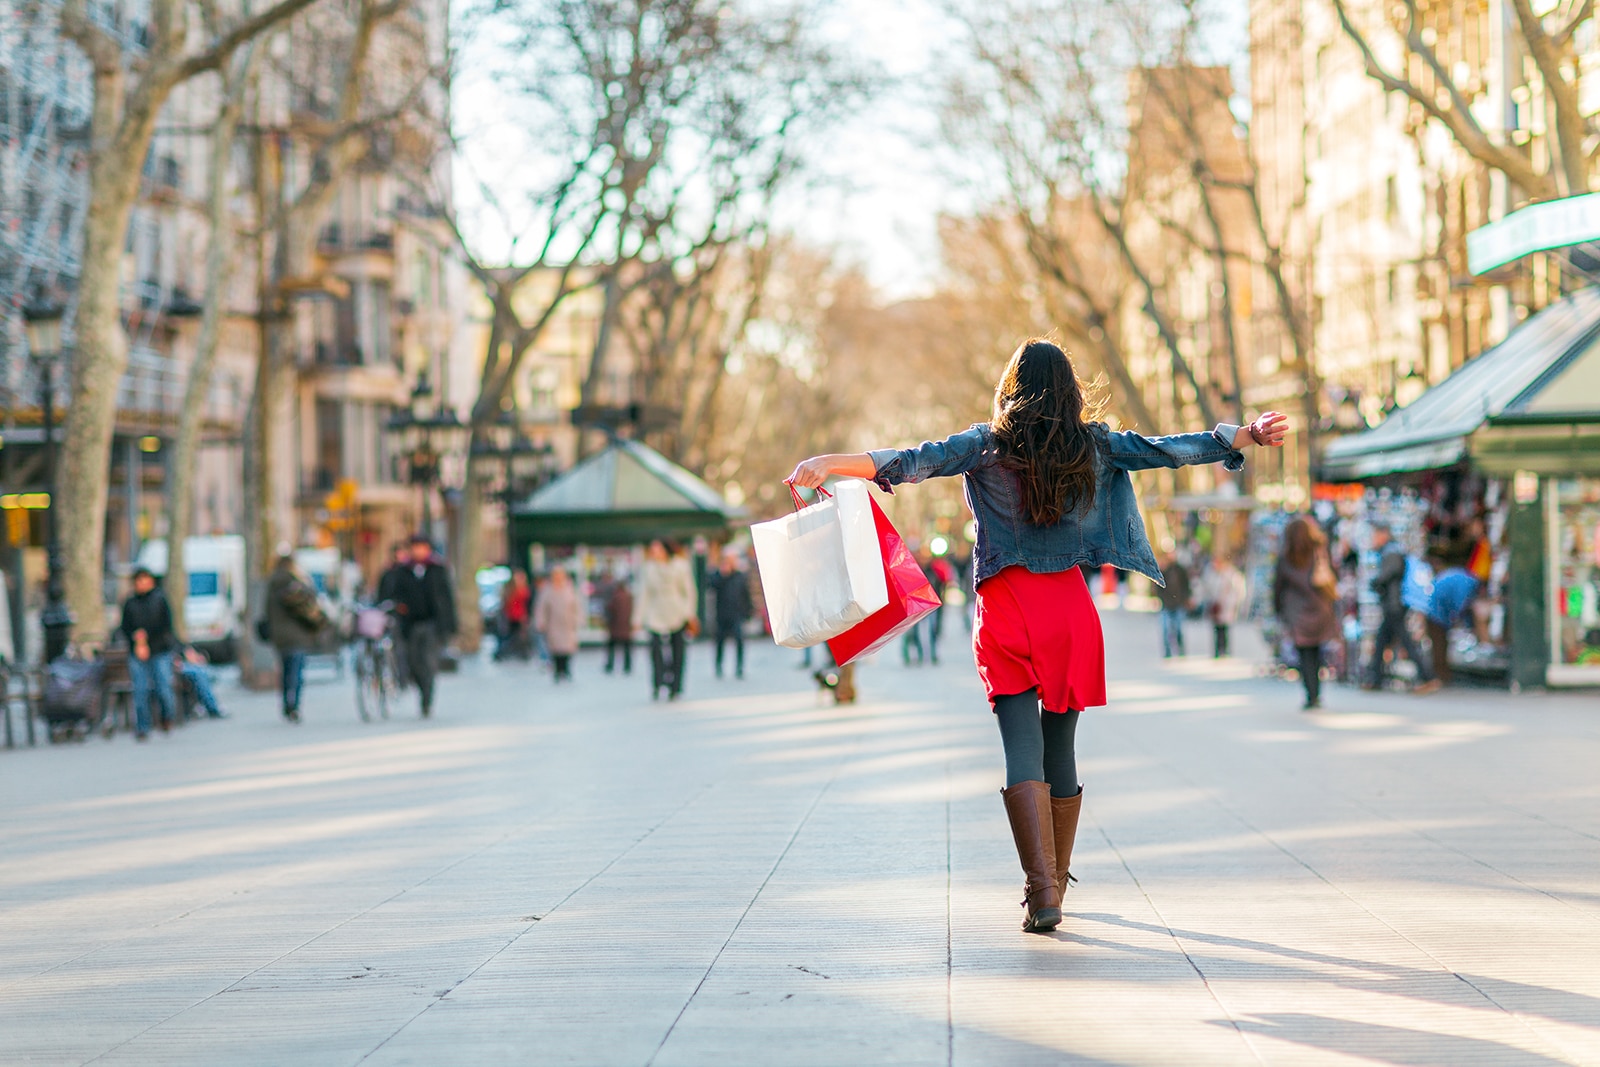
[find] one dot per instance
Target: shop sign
(1525, 487)
(1537, 228)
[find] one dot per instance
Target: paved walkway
(579, 876)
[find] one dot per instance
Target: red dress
(1040, 631)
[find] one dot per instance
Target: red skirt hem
(1042, 632)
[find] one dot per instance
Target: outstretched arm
(812, 472)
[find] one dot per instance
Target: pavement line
(1177, 941)
(742, 916)
(1527, 1024)
(612, 862)
(949, 933)
(308, 941)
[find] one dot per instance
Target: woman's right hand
(811, 473)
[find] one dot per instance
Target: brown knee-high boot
(1064, 817)
(1028, 808)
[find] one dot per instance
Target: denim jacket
(1109, 531)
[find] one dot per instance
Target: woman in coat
(1303, 594)
(558, 618)
(1049, 489)
(665, 609)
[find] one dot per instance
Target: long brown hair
(1301, 539)
(1039, 424)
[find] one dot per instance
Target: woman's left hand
(1268, 430)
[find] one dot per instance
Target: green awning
(627, 494)
(1546, 372)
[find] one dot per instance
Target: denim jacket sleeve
(957, 454)
(1129, 451)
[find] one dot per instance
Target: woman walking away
(1049, 491)
(665, 609)
(1225, 593)
(558, 618)
(1303, 593)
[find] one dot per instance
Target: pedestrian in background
(1304, 590)
(516, 611)
(1049, 490)
(191, 665)
(730, 591)
(1454, 588)
(425, 603)
(294, 621)
(147, 624)
(559, 618)
(1225, 593)
(940, 575)
(665, 609)
(1393, 632)
(1176, 598)
(619, 625)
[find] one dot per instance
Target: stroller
(73, 690)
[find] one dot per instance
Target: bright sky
(879, 184)
(883, 184)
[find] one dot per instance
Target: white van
(213, 610)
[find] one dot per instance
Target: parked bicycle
(378, 675)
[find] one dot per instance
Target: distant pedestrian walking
(1225, 592)
(424, 602)
(940, 575)
(516, 613)
(665, 609)
(1393, 631)
(1049, 491)
(294, 621)
(147, 624)
(619, 625)
(559, 617)
(1176, 597)
(730, 590)
(1304, 589)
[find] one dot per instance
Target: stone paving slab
(581, 876)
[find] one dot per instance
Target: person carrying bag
(1050, 491)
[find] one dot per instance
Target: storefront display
(1573, 574)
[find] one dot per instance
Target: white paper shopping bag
(821, 568)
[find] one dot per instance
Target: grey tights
(1038, 743)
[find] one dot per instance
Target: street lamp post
(425, 430)
(44, 346)
(525, 466)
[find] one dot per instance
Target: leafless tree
(665, 127)
(132, 80)
(1045, 99)
(235, 76)
(1428, 79)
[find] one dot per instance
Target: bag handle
(799, 505)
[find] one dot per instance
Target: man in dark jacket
(730, 588)
(619, 625)
(147, 624)
(294, 621)
(1392, 630)
(424, 601)
(1175, 597)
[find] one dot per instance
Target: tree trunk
(219, 261)
(469, 552)
(101, 357)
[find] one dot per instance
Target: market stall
(1497, 469)
(600, 512)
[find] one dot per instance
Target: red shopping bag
(911, 598)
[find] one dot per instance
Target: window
(204, 583)
(330, 446)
